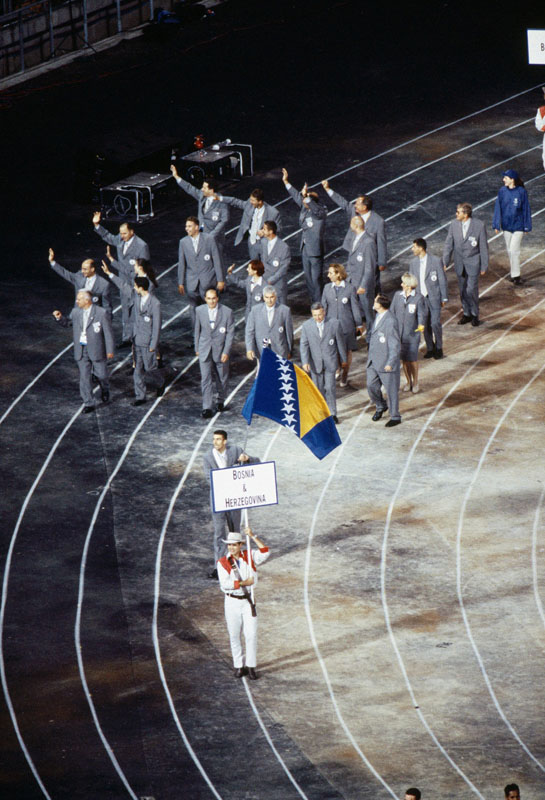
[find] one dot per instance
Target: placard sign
(536, 47)
(245, 486)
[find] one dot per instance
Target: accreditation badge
(412, 308)
(222, 330)
(359, 257)
(331, 342)
(207, 257)
(95, 299)
(281, 329)
(147, 319)
(382, 338)
(344, 300)
(96, 327)
(310, 223)
(433, 276)
(275, 262)
(473, 241)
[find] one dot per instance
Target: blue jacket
(512, 210)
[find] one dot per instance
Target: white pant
(513, 242)
(238, 615)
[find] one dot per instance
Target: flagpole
(248, 548)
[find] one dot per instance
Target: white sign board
(244, 486)
(536, 47)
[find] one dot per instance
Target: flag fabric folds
(285, 393)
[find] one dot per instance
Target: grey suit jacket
(322, 353)
(253, 298)
(217, 340)
(434, 279)
(270, 213)
(100, 336)
(384, 344)
(214, 220)
(409, 314)
(232, 452)
(375, 227)
(100, 293)
(280, 332)
(343, 305)
(312, 221)
(276, 263)
(137, 249)
(471, 252)
(202, 269)
(361, 264)
(146, 324)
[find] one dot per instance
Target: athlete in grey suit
(470, 248)
(214, 334)
(269, 321)
(312, 219)
(361, 268)
(255, 211)
(253, 283)
(340, 301)
(276, 258)
(146, 323)
(213, 215)
(383, 362)
(322, 346)
(434, 288)
(86, 279)
(374, 224)
(220, 456)
(199, 265)
(93, 345)
(129, 247)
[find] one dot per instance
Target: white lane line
(393, 501)
(535, 580)
(270, 741)
(459, 588)
(286, 199)
(310, 621)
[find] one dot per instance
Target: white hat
(234, 538)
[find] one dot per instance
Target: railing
(44, 30)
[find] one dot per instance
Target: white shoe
(415, 389)
(343, 383)
(337, 374)
(407, 387)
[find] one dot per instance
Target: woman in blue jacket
(512, 216)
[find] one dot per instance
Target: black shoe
(464, 319)
(160, 363)
(475, 322)
(517, 281)
(392, 423)
(240, 672)
(438, 353)
(105, 395)
(429, 354)
(377, 415)
(160, 391)
(88, 409)
(207, 413)
(220, 407)
(335, 419)
(124, 343)
(139, 403)
(252, 674)
(213, 575)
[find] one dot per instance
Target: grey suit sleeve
(223, 212)
(304, 347)
(233, 201)
(108, 333)
(317, 209)
(64, 273)
(295, 195)
(181, 264)
(250, 333)
(394, 345)
(197, 331)
(124, 286)
(275, 216)
(216, 260)
(156, 327)
(341, 202)
(107, 236)
(145, 251)
(188, 188)
(483, 249)
(289, 330)
(356, 309)
(448, 247)
(421, 311)
(442, 278)
(107, 298)
(382, 246)
(281, 271)
(230, 333)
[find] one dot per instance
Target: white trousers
(513, 243)
(238, 615)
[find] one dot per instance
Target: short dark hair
(219, 432)
(384, 300)
(414, 792)
(142, 283)
(129, 225)
(258, 194)
(271, 225)
(421, 243)
(467, 208)
(212, 289)
(192, 219)
(366, 200)
(258, 266)
(511, 787)
(316, 306)
(212, 184)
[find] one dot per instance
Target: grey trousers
(390, 380)
(86, 369)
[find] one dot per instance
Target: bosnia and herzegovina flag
(285, 393)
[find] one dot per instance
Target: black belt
(237, 596)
